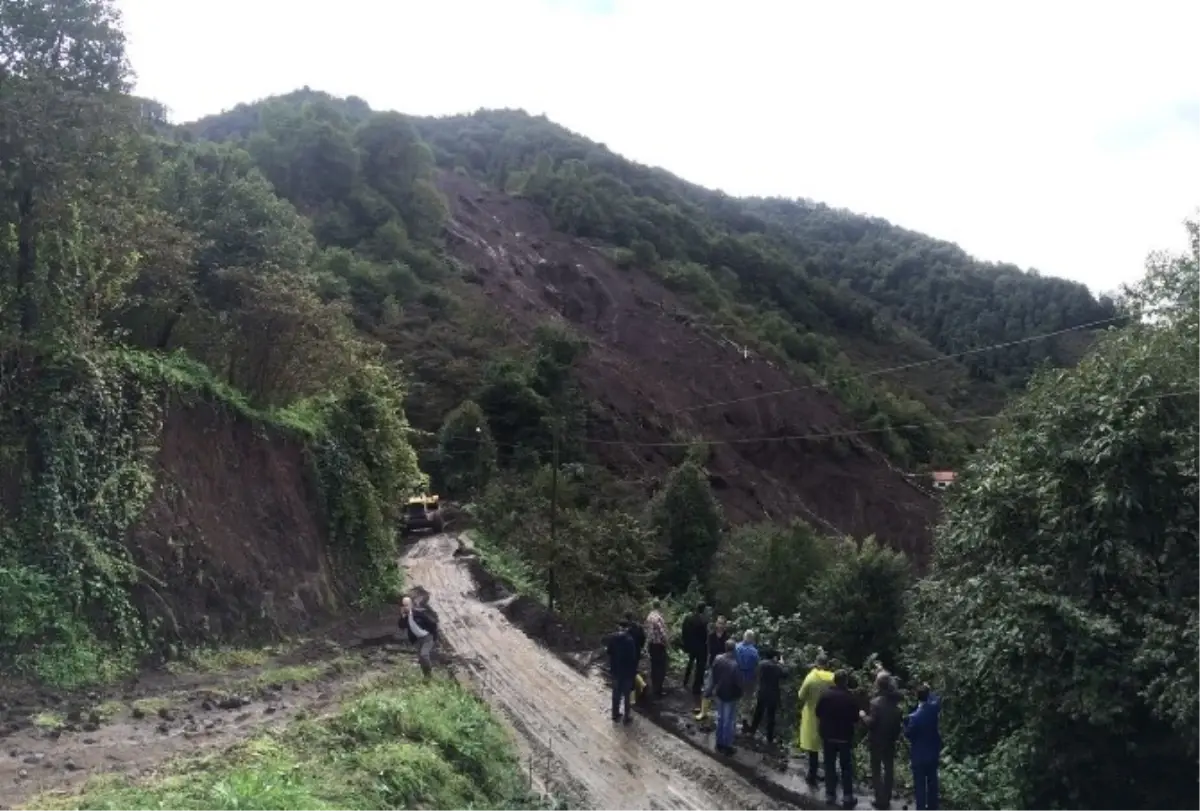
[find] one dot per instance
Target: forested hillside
(828, 294)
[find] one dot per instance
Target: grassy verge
(509, 567)
(397, 742)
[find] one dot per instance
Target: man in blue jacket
(925, 746)
(622, 662)
(746, 654)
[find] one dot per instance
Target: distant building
(943, 478)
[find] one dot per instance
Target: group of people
(721, 671)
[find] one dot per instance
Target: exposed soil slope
(564, 714)
(648, 365)
(232, 532)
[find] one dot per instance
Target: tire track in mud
(563, 714)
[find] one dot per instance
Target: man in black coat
(885, 721)
(694, 636)
(622, 662)
(771, 674)
(421, 623)
(717, 638)
(837, 715)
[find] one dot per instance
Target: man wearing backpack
(422, 626)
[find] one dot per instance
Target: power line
(906, 366)
(816, 436)
(862, 432)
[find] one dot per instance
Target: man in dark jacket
(837, 714)
(635, 630)
(771, 674)
(884, 721)
(925, 746)
(422, 627)
(727, 690)
(694, 636)
(622, 662)
(717, 638)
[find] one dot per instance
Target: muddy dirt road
(562, 713)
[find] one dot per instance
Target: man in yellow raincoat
(808, 737)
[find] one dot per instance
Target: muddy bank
(233, 534)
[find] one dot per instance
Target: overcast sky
(1058, 135)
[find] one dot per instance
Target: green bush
(769, 565)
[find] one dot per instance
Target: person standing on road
(622, 663)
(771, 674)
(727, 690)
(837, 714)
(656, 638)
(884, 720)
(694, 636)
(717, 639)
(925, 746)
(747, 659)
(808, 738)
(422, 627)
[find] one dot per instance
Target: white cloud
(1005, 127)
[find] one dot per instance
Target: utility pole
(552, 585)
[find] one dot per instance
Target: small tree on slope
(687, 519)
(466, 452)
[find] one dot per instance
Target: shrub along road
(563, 713)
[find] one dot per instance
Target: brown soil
(649, 362)
(562, 713)
(232, 532)
(133, 728)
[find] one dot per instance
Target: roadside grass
(508, 566)
(219, 660)
(395, 742)
(151, 706)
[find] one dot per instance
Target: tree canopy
(1061, 611)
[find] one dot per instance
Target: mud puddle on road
(54, 741)
(562, 713)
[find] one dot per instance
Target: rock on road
(562, 713)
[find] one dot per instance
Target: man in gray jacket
(884, 721)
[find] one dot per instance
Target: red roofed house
(943, 479)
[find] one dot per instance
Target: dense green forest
(286, 260)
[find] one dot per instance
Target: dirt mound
(233, 536)
(650, 363)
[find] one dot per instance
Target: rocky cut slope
(658, 377)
